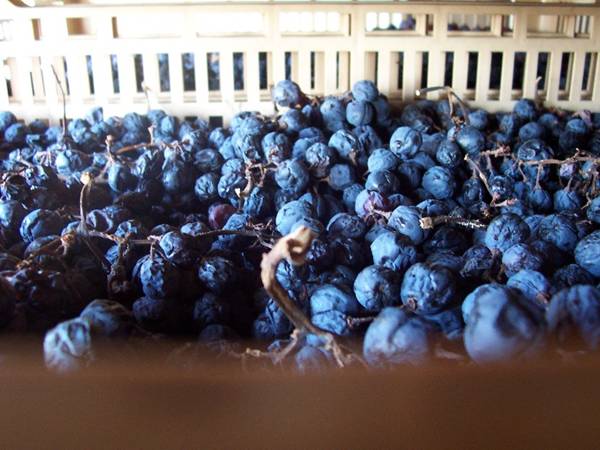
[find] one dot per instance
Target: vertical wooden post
(329, 73)
(529, 75)
(484, 63)
(201, 69)
(252, 70)
(576, 76)
(176, 78)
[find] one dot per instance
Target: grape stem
(64, 101)
(477, 170)
(431, 222)
(452, 95)
(293, 248)
(559, 162)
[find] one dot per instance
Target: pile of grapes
(436, 231)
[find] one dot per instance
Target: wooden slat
(529, 75)
(435, 72)
(103, 25)
(270, 72)
(330, 72)
(3, 86)
(294, 65)
(78, 78)
(227, 86)
(596, 81)
(508, 64)
(52, 97)
(320, 72)
(151, 76)
(278, 58)
(370, 66)
(357, 67)
(201, 68)
(384, 72)
(409, 75)
(252, 75)
(102, 70)
(554, 76)
(304, 69)
(20, 68)
(358, 58)
(482, 85)
(359, 44)
(459, 71)
(344, 72)
(176, 77)
(38, 80)
(576, 76)
(127, 86)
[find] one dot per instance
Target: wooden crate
(329, 46)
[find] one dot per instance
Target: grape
(446, 231)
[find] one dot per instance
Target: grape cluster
(435, 227)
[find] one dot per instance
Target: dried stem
(64, 101)
(559, 162)
(452, 96)
(293, 248)
(502, 150)
(477, 170)
(87, 179)
(431, 222)
(354, 322)
(134, 147)
(117, 280)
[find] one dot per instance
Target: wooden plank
(103, 25)
(158, 406)
(270, 81)
(201, 68)
(103, 83)
(176, 77)
(53, 100)
(529, 75)
(78, 78)
(304, 69)
(344, 72)
(252, 74)
(459, 71)
(553, 76)
(484, 62)
(435, 72)
(38, 80)
(151, 78)
(330, 72)
(278, 59)
(20, 68)
(508, 64)
(55, 37)
(409, 75)
(384, 72)
(3, 86)
(576, 76)
(358, 61)
(294, 65)
(358, 55)
(226, 67)
(127, 85)
(595, 81)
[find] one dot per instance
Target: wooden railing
(491, 53)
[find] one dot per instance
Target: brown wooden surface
(150, 405)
